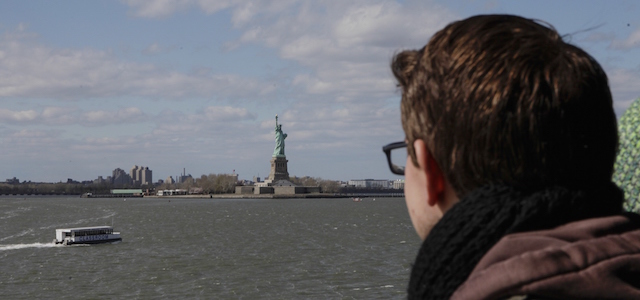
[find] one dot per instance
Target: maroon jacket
(590, 259)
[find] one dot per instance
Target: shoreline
(224, 196)
(272, 196)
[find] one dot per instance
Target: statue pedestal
(279, 169)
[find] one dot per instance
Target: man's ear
(435, 180)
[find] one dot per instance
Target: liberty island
(278, 182)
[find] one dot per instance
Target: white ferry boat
(87, 235)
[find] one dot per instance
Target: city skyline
(86, 86)
(120, 176)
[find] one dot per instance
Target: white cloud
(127, 115)
(333, 38)
(347, 45)
(32, 143)
(633, 41)
(105, 145)
(625, 86)
(245, 13)
(31, 70)
(152, 49)
(213, 6)
(59, 115)
(26, 133)
(596, 37)
(227, 113)
(17, 116)
(164, 8)
(62, 116)
(157, 8)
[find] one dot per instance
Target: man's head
(500, 99)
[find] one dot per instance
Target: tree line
(205, 184)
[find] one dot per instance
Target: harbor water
(208, 249)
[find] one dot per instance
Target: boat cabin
(87, 235)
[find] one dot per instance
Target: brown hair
(501, 99)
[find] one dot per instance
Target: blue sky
(90, 86)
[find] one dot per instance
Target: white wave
(23, 233)
(14, 213)
(25, 246)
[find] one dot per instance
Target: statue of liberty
(280, 136)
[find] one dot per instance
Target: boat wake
(25, 246)
(23, 233)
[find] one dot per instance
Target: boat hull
(104, 241)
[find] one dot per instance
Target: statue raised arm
(280, 136)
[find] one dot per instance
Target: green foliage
(627, 171)
(210, 184)
(305, 181)
(206, 184)
(330, 186)
(326, 186)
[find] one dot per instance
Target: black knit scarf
(470, 228)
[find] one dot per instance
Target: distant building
(100, 180)
(236, 176)
(141, 175)
(171, 192)
(127, 192)
(370, 183)
(120, 177)
(246, 182)
(170, 180)
(398, 184)
(135, 178)
(13, 180)
(147, 177)
(184, 177)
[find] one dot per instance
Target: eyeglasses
(396, 156)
